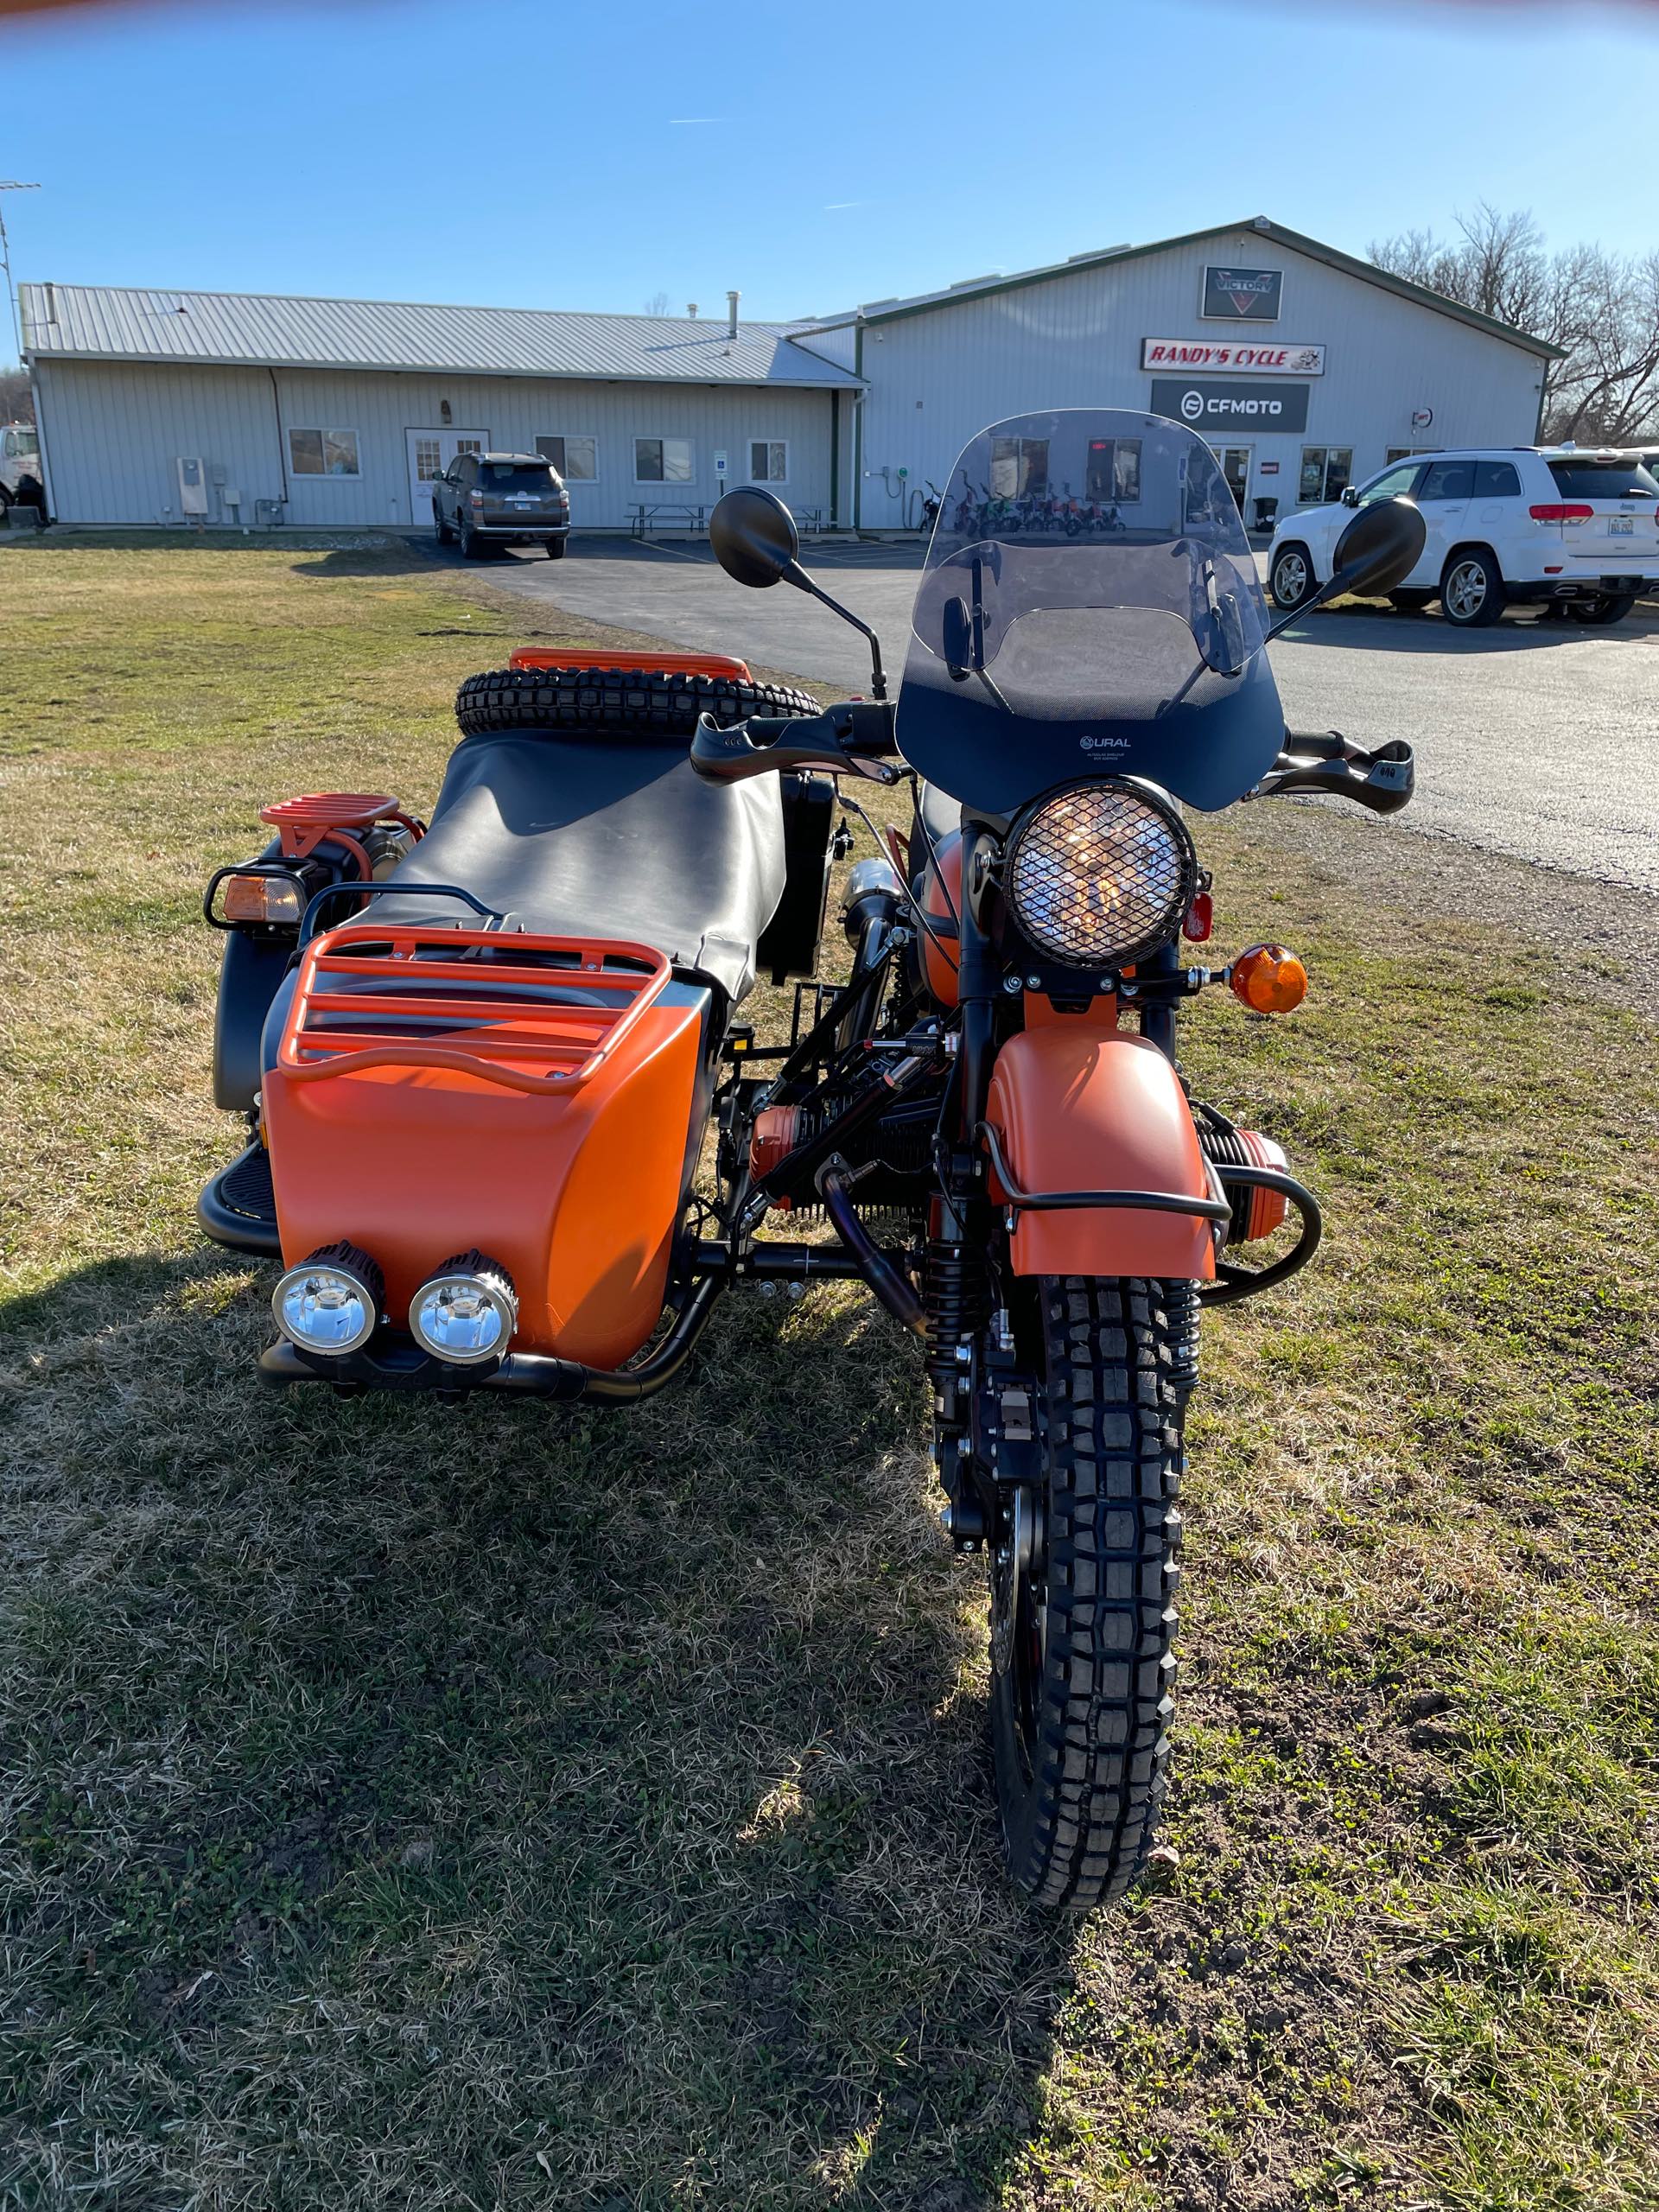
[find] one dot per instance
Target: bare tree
(1602, 309)
(657, 303)
(16, 400)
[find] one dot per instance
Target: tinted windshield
(515, 476)
(1090, 606)
(1603, 479)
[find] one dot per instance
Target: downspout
(281, 453)
(834, 461)
(858, 427)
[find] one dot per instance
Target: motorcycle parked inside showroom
(479, 1055)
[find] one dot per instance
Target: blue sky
(545, 155)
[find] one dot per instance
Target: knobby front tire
(1082, 1693)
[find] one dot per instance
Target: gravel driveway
(1536, 741)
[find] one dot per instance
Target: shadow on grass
(591, 1799)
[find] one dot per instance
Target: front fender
(1076, 1107)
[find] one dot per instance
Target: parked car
(501, 498)
(1576, 528)
(20, 467)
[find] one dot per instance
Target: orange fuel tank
(437, 1089)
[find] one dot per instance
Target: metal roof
(109, 322)
(1262, 225)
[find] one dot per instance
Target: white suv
(20, 466)
(1574, 526)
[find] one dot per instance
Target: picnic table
(645, 517)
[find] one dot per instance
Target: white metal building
(1303, 367)
(157, 407)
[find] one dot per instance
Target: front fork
(983, 1330)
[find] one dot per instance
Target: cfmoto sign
(1209, 404)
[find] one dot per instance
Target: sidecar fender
(1076, 1107)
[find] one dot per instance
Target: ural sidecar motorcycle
(508, 1133)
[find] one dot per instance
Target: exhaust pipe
(732, 298)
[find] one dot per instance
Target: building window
(1019, 467)
(768, 461)
(576, 459)
(1114, 469)
(323, 453)
(1327, 473)
(663, 460)
(429, 459)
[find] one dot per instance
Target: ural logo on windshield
(1104, 744)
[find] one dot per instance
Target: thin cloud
(838, 206)
(699, 118)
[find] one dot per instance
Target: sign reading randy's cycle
(1264, 357)
(1207, 404)
(1241, 294)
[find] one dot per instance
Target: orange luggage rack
(439, 1090)
(514, 1013)
(636, 663)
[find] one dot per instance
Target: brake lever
(731, 755)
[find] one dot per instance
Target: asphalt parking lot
(1537, 741)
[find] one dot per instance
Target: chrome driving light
(466, 1312)
(1100, 874)
(331, 1302)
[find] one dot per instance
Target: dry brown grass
(501, 1809)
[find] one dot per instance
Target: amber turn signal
(1270, 980)
(261, 899)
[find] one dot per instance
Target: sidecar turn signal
(1268, 979)
(467, 1312)
(330, 1302)
(262, 898)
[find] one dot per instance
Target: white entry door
(430, 453)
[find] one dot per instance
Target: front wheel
(1291, 579)
(1084, 1570)
(445, 535)
(1473, 594)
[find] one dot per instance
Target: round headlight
(1100, 875)
(467, 1312)
(331, 1301)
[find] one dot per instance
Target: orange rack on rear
(507, 1020)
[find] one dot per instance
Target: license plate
(1621, 525)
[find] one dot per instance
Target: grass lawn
(503, 1808)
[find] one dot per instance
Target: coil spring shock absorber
(1183, 1307)
(955, 1300)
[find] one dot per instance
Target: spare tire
(632, 701)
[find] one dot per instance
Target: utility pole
(11, 184)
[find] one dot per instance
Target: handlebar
(854, 738)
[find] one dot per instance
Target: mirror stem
(1325, 591)
(797, 575)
